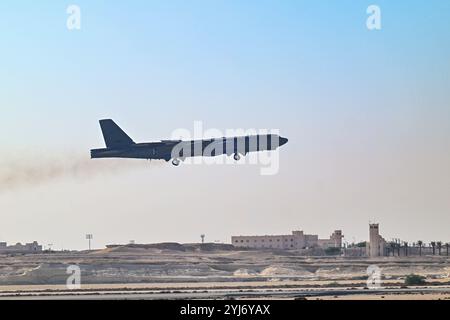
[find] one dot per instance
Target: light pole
(89, 237)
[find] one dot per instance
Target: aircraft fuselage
(120, 145)
(167, 150)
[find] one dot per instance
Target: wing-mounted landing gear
(176, 162)
(237, 156)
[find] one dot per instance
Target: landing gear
(236, 157)
(176, 162)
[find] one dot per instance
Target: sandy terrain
(194, 268)
(416, 296)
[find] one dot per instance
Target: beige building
(296, 240)
(376, 247)
(335, 240)
(20, 248)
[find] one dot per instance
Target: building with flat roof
(32, 247)
(296, 240)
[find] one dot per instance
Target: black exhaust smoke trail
(19, 173)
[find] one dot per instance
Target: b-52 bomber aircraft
(120, 145)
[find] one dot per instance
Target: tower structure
(376, 245)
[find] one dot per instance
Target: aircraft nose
(283, 141)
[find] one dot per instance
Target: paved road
(225, 294)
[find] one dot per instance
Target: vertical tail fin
(113, 135)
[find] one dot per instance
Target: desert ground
(212, 271)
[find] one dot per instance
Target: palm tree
(406, 248)
(439, 246)
(420, 243)
(433, 245)
(447, 245)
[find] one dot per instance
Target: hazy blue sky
(367, 115)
